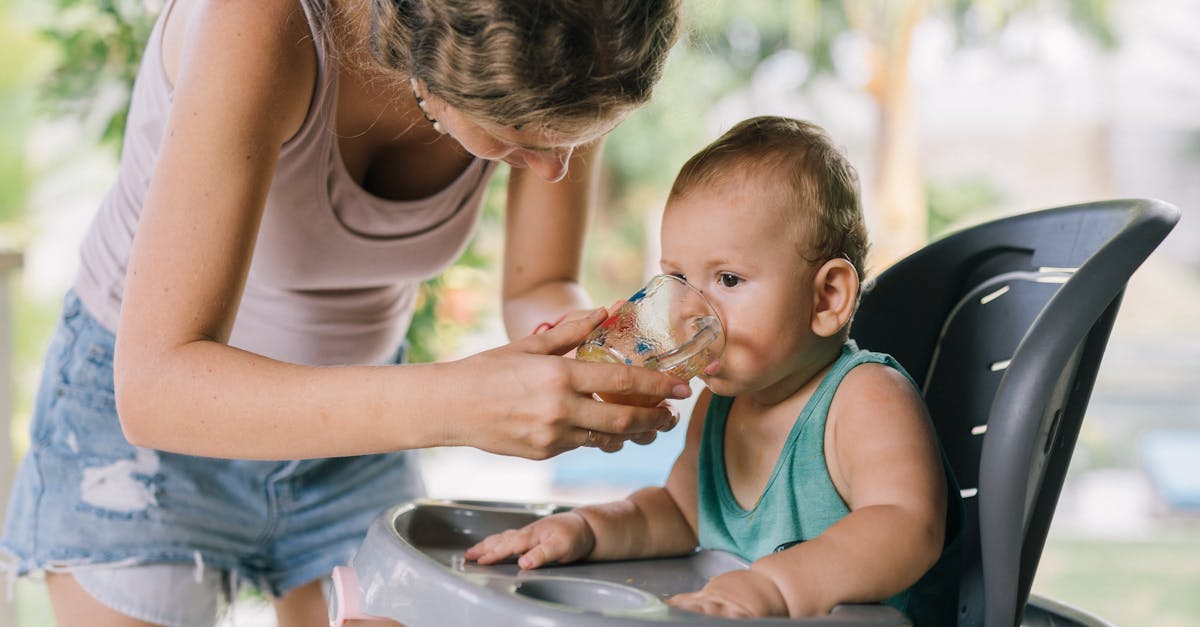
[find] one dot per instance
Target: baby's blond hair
(817, 181)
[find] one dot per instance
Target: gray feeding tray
(410, 569)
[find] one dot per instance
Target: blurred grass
(1154, 581)
(33, 607)
(32, 604)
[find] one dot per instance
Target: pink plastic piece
(347, 597)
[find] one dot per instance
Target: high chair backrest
(1005, 323)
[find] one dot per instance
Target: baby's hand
(736, 594)
(559, 538)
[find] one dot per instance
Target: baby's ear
(835, 294)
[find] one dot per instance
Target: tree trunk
(896, 196)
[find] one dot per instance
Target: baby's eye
(728, 280)
(679, 275)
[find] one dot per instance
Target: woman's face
(545, 155)
(519, 149)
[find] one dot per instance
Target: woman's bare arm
(544, 235)
(242, 88)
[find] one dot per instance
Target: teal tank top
(800, 501)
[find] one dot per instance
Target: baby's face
(733, 241)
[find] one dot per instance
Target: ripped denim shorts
(85, 499)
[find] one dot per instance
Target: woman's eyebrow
(532, 148)
(551, 148)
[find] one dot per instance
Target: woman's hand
(736, 594)
(643, 438)
(525, 399)
(560, 538)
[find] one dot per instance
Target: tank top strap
(852, 356)
(319, 118)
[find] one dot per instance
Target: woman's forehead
(533, 137)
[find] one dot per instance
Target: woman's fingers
(614, 383)
(610, 443)
(563, 337)
(538, 406)
(674, 415)
(608, 420)
(644, 438)
(627, 385)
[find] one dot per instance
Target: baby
(810, 458)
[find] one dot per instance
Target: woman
(292, 170)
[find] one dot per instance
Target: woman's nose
(550, 165)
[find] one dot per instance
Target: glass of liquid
(668, 326)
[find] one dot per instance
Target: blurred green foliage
(99, 45)
(19, 66)
(951, 202)
(22, 62)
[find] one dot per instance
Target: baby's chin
(720, 386)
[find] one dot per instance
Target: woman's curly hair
(558, 66)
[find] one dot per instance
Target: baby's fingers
(571, 539)
(480, 548)
(704, 604)
(500, 546)
(690, 601)
(540, 554)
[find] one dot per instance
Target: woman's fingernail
(598, 312)
(681, 391)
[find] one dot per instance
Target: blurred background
(954, 111)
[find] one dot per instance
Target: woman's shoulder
(264, 45)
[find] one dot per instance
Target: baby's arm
(882, 454)
(652, 522)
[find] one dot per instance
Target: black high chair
(1005, 323)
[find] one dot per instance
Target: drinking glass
(668, 326)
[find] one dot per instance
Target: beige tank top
(336, 270)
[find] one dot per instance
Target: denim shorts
(86, 501)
